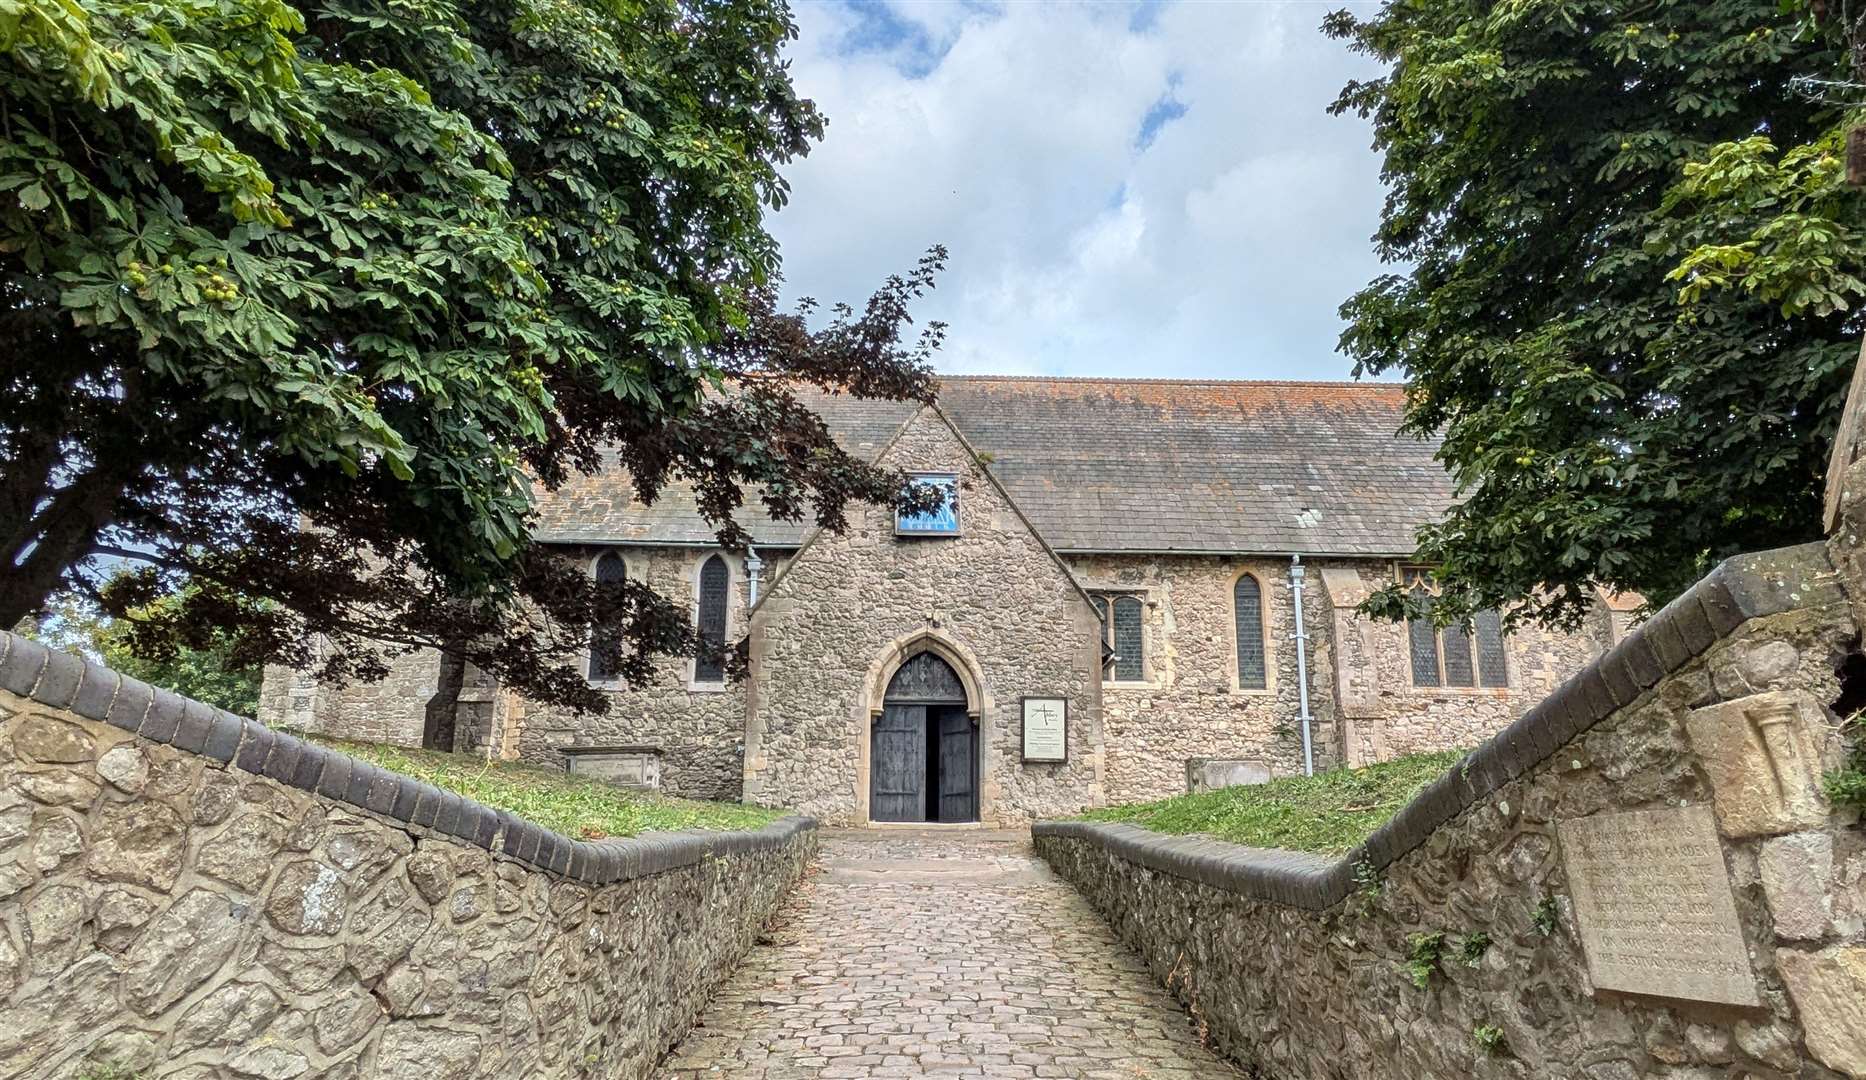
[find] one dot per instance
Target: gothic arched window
(606, 641)
(710, 617)
(1451, 655)
(1247, 611)
(1129, 659)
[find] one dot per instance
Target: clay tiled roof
(1126, 465)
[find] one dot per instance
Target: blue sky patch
(1163, 112)
(879, 28)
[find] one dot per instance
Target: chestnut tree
(300, 307)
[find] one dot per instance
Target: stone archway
(923, 747)
(973, 703)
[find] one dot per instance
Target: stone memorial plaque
(1046, 729)
(1653, 902)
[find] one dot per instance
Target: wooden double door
(923, 764)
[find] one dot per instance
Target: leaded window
(1460, 668)
(1247, 611)
(1491, 664)
(715, 585)
(1453, 655)
(1123, 621)
(606, 641)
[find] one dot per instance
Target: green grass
(587, 809)
(1329, 812)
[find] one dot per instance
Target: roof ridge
(1354, 384)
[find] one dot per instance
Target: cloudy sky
(1149, 189)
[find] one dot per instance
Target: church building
(1137, 588)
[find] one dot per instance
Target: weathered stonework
(1299, 964)
(993, 595)
(1383, 715)
(1762, 753)
(850, 608)
(1362, 700)
(260, 907)
(699, 728)
(392, 711)
(1190, 704)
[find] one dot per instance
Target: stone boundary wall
(1305, 967)
(190, 895)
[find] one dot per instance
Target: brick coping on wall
(62, 680)
(1741, 588)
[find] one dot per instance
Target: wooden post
(1847, 444)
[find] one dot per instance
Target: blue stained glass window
(945, 520)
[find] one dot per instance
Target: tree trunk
(34, 562)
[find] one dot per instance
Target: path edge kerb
(62, 680)
(1741, 588)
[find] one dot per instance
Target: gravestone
(1652, 900)
(1211, 774)
(625, 766)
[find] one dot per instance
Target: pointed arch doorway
(923, 750)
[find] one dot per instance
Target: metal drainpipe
(1302, 665)
(753, 567)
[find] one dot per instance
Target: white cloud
(1221, 247)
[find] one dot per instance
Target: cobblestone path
(940, 954)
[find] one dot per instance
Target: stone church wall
(1454, 942)
(392, 711)
(1190, 706)
(1382, 715)
(867, 588)
(700, 729)
(850, 605)
(195, 897)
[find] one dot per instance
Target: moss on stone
(1329, 812)
(574, 806)
(1846, 786)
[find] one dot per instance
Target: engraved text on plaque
(1653, 902)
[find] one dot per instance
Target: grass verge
(1329, 812)
(575, 806)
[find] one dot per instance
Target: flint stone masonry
(996, 603)
(1297, 963)
(1036, 532)
(698, 729)
(262, 907)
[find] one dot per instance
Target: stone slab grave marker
(627, 766)
(1652, 899)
